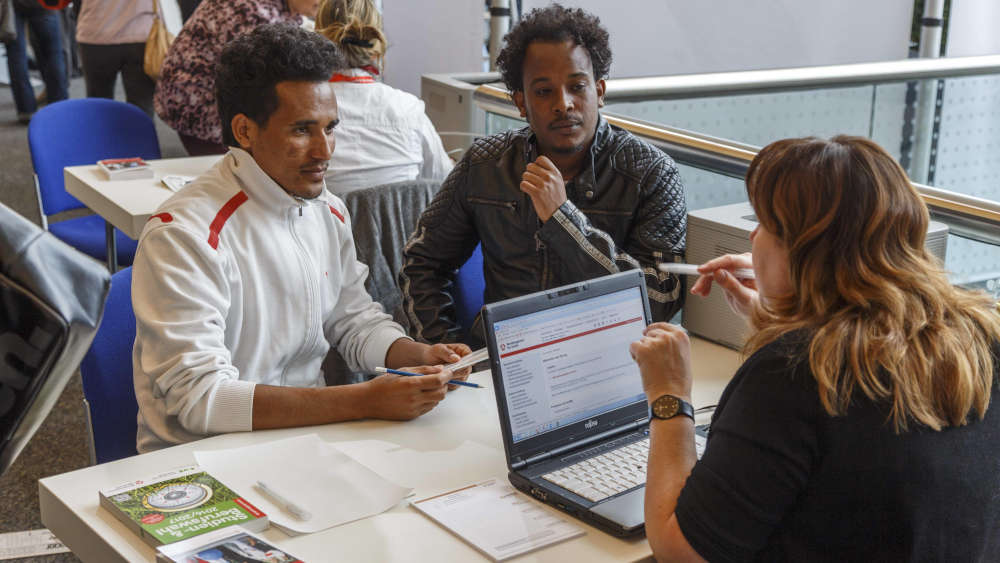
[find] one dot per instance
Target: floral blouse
(185, 93)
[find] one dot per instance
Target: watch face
(666, 406)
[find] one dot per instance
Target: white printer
(726, 229)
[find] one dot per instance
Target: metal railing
(967, 216)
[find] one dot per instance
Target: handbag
(157, 44)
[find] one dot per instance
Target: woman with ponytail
(860, 427)
(384, 135)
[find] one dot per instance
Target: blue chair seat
(88, 236)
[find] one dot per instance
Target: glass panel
(974, 264)
(758, 119)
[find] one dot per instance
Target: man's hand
(664, 358)
(448, 354)
(399, 397)
(741, 294)
(543, 182)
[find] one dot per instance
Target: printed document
(498, 520)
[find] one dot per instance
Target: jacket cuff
(568, 212)
(377, 346)
(231, 407)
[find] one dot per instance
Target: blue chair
(106, 371)
(468, 293)
(83, 131)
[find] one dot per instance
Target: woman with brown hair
(859, 427)
(384, 135)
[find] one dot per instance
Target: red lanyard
(364, 79)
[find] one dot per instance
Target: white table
(420, 453)
(127, 204)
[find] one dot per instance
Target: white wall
(428, 36)
(972, 28)
(651, 37)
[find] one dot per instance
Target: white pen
(286, 505)
(692, 270)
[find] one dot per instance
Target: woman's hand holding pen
(741, 294)
(439, 354)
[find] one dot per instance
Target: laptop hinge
(580, 444)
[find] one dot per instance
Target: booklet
(179, 504)
(126, 168)
(229, 545)
(498, 520)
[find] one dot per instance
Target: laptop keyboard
(610, 473)
(606, 475)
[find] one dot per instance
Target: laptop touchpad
(627, 510)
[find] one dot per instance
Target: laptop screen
(571, 362)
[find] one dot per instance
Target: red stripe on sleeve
(165, 217)
(222, 216)
(337, 213)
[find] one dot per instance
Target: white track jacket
(235, 283)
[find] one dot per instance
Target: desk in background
(127, 204)
(426, 454)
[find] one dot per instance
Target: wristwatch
(669, 406)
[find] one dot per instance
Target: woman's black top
(781, 480)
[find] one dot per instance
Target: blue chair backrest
(106, 371)
(83, 131)
(468, 291)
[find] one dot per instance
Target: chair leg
(91, 447)
(112, 243)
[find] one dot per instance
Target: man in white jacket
(245, 278)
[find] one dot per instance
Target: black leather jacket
(625, 210)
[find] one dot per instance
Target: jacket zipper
(311, 308)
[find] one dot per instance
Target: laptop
(574, 417)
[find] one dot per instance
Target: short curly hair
(251, 65)
(554, 23)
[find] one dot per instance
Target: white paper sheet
(32, 543)
(313, 474)
(497, 520)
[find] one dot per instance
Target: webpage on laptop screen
(571, 362)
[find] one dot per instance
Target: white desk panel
(421, 453)
(127, 204)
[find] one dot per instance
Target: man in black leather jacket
(566, 199)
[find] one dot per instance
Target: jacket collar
(261, 188)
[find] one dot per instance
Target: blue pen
(452, 382)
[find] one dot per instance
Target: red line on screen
(570, 337)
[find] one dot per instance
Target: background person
(859, 428)
(244, 279)
(112, 37)
(384, 134)
(47, 32)
(185, 93)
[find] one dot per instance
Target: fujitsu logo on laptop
(590, 424)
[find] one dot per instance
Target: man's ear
(244, 130)
(518, 98)
(601, 85)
